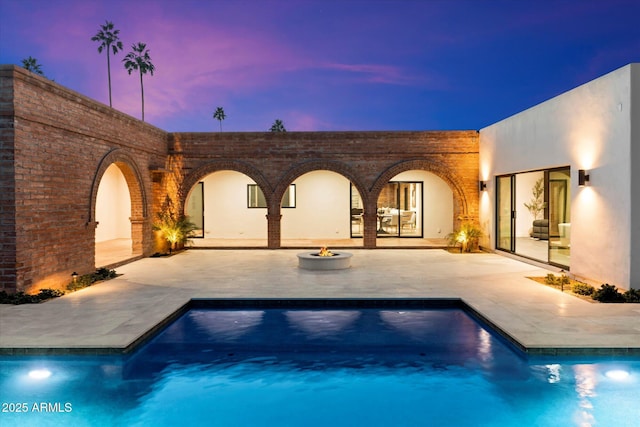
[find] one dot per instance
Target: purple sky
(327, 64)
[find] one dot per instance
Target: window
(256, 199)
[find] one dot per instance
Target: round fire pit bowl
(313, 261)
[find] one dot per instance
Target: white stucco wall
(226, 215)
(589, 128)
(322, 208)
(634, 112)
(113, 206)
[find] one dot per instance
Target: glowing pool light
(617, 374)
(39, 374)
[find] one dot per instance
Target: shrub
(46, 294)
(583, 289)
(632, 295)
(175, 227)
(22, 298)
(104, 274)
(608, 293)
(467, 236)
(561, 281)
(87, 280)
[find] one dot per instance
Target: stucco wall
(113, 206)
(588, 128)
(634, 112)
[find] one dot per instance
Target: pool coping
(326, 303)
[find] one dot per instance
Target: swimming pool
(319, 367)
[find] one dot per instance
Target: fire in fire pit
(324, 251)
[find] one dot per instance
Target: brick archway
(296, 171)
(221, 165)
(460, 206)
(460, 199)
(137, 193)
(227, 165)
(300, 169)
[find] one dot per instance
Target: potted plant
(174, 227)
(536, 206)
(467, 237)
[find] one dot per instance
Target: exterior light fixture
(482, 185)
(583, 177)
(74, 275)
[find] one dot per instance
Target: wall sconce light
(583, 177)
(482, 185)
(74, 276)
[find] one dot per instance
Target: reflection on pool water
(360, 367)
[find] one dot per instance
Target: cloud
(376, 73)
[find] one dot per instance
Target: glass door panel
(195, 210)
(410, 209)
(388, 210)
(560, 217)
(357, 210)
(504, 209)
(532, 223)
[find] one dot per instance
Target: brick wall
(368, 159)
(60, 142)
(56, 144)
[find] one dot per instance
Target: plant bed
(167, 254)
(567, 288)
(79, 282)
(605, 294)
(22, 298)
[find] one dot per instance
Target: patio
(110, 316)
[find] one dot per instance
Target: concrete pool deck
(111, 316)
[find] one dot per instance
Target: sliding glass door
(533, 215)
(400, 209)
(195, 210)
(506, 213)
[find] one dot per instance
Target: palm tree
(109, 41)
(219, 115)
(278, 126)
(31, 64)
(139, 59)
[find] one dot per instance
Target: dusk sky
(327, 64)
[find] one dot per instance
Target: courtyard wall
(54, 145)
(57, 144)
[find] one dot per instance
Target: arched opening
(322, 213)
(113, 216)
(229, 208)
(415, 204)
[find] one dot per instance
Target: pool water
(354, 367)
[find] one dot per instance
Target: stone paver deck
(113, 315)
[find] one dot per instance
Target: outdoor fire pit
(324, 260)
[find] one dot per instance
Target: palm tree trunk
(142, 90)
(109, 76)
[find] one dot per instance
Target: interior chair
(390, 222)
(408, 220)
(356, 218)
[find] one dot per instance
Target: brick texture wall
(368, 159)
(56, 144)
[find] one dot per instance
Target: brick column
(273, 230)
(370, 220)
(137, 235)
